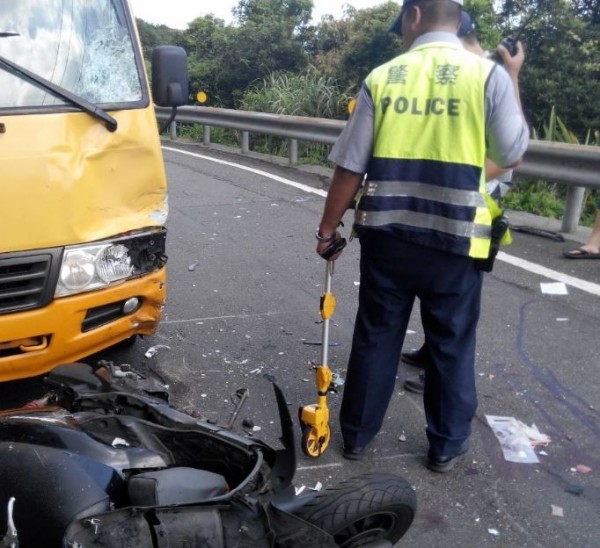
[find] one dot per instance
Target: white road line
(588, 287)
(233, 316)
(534, 268)
(319, 466)
(299, 186)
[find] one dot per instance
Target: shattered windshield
(84, 46)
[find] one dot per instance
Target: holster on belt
(500, 235)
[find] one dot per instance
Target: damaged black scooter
(103, 460)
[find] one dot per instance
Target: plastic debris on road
(517, 439)
(337, 380)
(154, 349)
(193, 266)
(119, 442)
(557, 511)
(554, 288)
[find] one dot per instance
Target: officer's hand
(512, 64)
(330, 251)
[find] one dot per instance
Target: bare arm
(505, 147)
(342, 190)
(493, 170)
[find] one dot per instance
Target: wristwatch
(321, 238)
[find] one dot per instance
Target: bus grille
(27, 281)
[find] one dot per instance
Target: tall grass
(309, 93)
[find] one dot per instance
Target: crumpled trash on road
(337, 380)
(154, 349)
(517, 439)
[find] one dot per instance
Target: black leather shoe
(416, 385)
(353, 453)
(445, 464)
(416, 358)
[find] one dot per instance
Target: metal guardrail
(577, 166)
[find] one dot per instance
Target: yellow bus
(83, 195)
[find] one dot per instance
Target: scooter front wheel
(314, 443)
(363, 509)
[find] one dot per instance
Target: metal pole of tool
(325, 339)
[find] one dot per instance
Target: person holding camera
(423, 126)
(511, 56)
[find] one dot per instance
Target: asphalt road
(244, 288)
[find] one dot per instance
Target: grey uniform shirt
(507, 134)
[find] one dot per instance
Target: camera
(510, 43)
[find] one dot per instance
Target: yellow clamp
(328, 303)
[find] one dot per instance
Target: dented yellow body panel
(67, 180)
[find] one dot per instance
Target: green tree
(588, 9)
(156, 35)
(267, 40)
(487, 22)
(294, 13)
(348, 49)
(203, 40)
(562, 66)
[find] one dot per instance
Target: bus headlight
(98, 265)
(77, 270)
(114, 263)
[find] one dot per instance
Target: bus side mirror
(170, 84)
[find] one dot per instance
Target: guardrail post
(293, 151)
(245, 142)
(573, 207)
(173, 128)
(206, 135)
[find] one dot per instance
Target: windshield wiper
(4, 34)
(58, 91)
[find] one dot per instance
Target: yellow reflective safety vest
(426, 177)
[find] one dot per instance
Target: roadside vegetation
(274, 59)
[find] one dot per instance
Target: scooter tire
(363, 509)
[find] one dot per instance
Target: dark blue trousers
(393, 274)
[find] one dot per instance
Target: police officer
(499, 182)
(423, 126)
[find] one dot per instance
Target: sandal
(580, 253)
